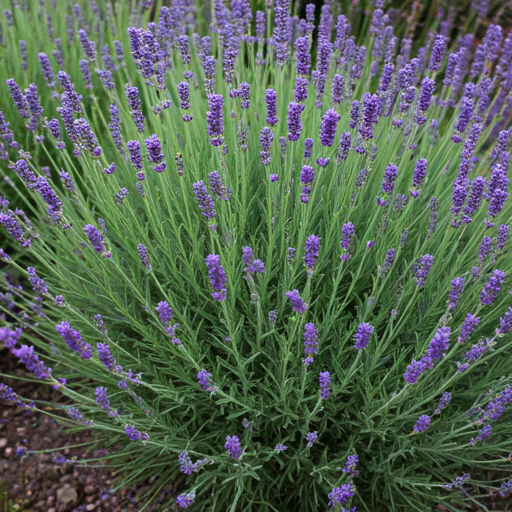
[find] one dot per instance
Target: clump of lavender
(368, 171)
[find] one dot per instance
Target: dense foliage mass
(268, 259)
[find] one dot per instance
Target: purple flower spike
(328, 127)
(271, 100)
(95, 237)
(457, 288)
(422, 267)
(324, 379)
(310, 343)
(233, 447)
(204, 381)
(297, 303)
(347, 232)
(311, 438)
(422, 424)
(362, 337)
(218, 279)
(204, 200)
(294, 122)
(74, 340)
(420, 171)
(311, 252)
(439, 344)
(214, 119)
(492, 288)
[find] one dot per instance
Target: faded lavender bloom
(105, 356)
(310, 343)
(132, 95)
(347, 232)
(220, 190)
(311, 252)
(388, 262)
(484, 433)
(388, 183)
(492, 288)
(297, 303)
(233, 447)
(280, 448)
(106, 79)
(95, 237)
(272, 318)
(134, 435)
(422, 424)
(214, 119)
(204, 380)
(311, 438)
(422, 268)
(484, 249)
(143, 255)
(103, 401)
(204, 200)
(351, 464)
(354, 115)
(502, 237)
(457, 288)
(294, 122)
(341, 495)
(362, 336)
(67, 181)
(324, 379)
(184, 500)
(30, 359)
(344, 146)
(74, 340)
(218, 279)
(444, 401)
(328, 127)
(420, 171)
(308, 148)
(439, 344)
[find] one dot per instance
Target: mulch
(54, 481)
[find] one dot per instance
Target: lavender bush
(280, 280)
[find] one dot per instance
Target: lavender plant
(281, 281)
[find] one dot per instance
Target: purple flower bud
(294, 122)
(214, 119)
(492, 288)
(420, 171)
(338, 88)
(233, 447)
(310, 343)
(297, 303)
(204, 200)
(354, 114)
(457, 288)
(95, 237)
(104, 355)
(438, 51)
(311, 251)
(324, 379)
(204, 381)
(328, 127)
(311, 438)
(74, 340)
(218, 279)
(422, 267)
(422, 424)
(362, 336)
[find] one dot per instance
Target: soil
(53, 481)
